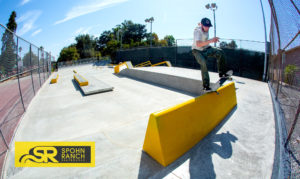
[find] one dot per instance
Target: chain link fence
(284, 72)
(251, 45)
(244, 57)
(94, 61)
(23, 69)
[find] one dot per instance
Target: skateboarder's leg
(220, 56)
(204, 72)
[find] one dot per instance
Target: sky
(54, 24)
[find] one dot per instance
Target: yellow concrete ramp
(172, 132)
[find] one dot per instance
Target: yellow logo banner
(54, 154)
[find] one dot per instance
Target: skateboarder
(202, 50)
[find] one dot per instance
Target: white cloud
(27, 21)
(89, 7)
(36, 32)
(25, 2)
(82, 30)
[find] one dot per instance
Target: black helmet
(206, 22)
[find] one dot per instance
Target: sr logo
(40, 154)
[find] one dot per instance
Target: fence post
(280, 56)
(39, 66)
(30, 59)
(176, 51)
(19, 74)
(43, 57)
(50, 63)
(47, 57)
(282, 70)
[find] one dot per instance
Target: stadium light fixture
(150, 20)
(213, 7)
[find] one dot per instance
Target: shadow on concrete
(77, 87)
(158, 85)
(201, 164)
(101, 63)
(240, 82)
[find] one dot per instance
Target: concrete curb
(281, 165)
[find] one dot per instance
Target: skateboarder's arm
(204, 43)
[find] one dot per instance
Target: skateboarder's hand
(215, 39)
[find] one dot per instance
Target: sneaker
(223, 75)
(206, 89)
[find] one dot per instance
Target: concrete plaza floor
(242, 146)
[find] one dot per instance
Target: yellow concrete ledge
(123, 65)
(168, 63)
(172, 132)
(80, 80)
(54, 80)
(147, 63)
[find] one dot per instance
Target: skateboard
(220, 82)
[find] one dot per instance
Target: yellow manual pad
(54, 80)
(172, 132)
(80, 80)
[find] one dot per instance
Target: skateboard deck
(220, 82)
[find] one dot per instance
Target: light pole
(119, 35)
(266, 44)
(213, 7)
(150, 20)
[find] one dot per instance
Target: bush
(289, 74)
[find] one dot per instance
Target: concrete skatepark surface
(242, 146)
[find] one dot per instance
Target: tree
(105, 37)
(155, 39)
(12, 25)
(132, 31)
(163, 43)
(8, 50)
(26, 59)
(231, 45)
(111, 49)
(85, 44)
(97, 55)
(128, 33)
(223, 44)
(290, 73)
(68, 54)
(170, 40)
